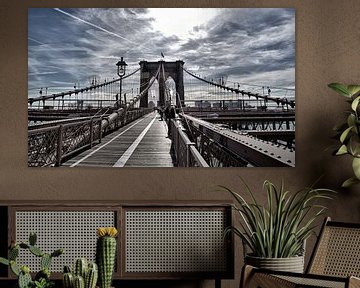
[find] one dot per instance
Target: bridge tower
(172, 69)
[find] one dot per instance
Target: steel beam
(257, 152)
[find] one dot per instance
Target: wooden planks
(151, 149)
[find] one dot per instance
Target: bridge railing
(49, 146)
(185, 152)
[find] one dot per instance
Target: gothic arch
(172, 69)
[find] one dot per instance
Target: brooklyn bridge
(194, 121)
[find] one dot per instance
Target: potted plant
(276, 233)
(84, 274)
(106, 254)
(42, 278)
(349, 132)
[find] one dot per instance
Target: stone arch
(172, 69)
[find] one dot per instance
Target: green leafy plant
(349, 131)
(279, 229)
(42, 278)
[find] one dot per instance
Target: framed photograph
(161, 87)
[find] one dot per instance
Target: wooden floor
(142, 143)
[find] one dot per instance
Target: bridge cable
(266, 98)
(81, 90)
(186, 120)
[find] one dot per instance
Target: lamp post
(121, 67)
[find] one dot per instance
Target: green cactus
(36, 251)
(105, 258)
(13, 253)
(32, 238)
(87, 272)
(43, 274)
(24, 280)
(80, 267)
(42, 278)
(91, 276)
(24, 245)
(57, 252)
(68, 280)
(67, 269)
(79, 282)
(45, 261)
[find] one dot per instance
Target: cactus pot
(291, 264)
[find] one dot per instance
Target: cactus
(91, 276)
(105, 254)
(57, 253)
(36, 251)
(67, 269)
(87, 272)
(13, 253)
(80, 267)
(45, 261)
(32, 238)
(24, 280)
(79, 282)
(44, 273)
(42, 278)
(68, 280)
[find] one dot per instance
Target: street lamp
(121, 67)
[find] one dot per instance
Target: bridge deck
(142, 143)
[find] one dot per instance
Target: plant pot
(291, 264)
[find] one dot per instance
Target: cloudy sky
(253, 46)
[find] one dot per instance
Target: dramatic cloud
(255, 46)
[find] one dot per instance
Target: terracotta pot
(291, 264)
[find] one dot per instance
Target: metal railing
(185, 151)
(49, 146)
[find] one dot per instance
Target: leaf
(351, 120)
(353, 89)
(342, 150)
(355, 103)
(345, 134)
(356, 167)
(340, 88)
(354, 145)
(349, 182)
(279, 228)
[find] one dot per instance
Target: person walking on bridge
(172, 114)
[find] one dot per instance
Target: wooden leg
(250, 278)
(217, 283)
(246, 274)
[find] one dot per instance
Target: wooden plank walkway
(142, 143)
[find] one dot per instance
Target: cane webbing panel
(338, 252)
(313, 282)
(74, 231)
(175, 241)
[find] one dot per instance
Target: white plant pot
(291, 264)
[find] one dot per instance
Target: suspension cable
(283, 101)
(76, 91)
